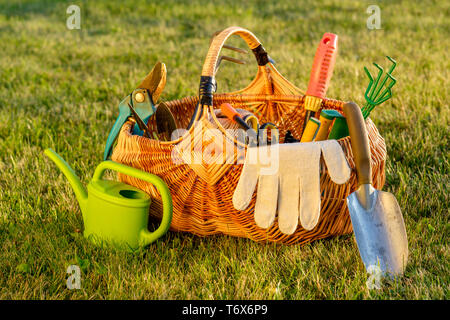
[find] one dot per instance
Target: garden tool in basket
(142, 126)
(326, 119)
(339, 129)
(376, 216)
(233, 115)
(311, 129)
(321, 73)
(165, 121)
(142, 100)
(263, 133)
(115, 212)
(256, 134)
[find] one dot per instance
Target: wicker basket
(202, 194)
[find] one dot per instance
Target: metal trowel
(143, 100)
(376, 216)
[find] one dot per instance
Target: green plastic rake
(374, 94)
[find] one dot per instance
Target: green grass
(60, 89)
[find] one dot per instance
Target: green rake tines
(374, 96)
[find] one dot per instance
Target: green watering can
(115, 212)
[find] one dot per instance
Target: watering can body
(114, 212)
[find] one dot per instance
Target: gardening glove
(288, 177)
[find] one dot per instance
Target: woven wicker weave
(202, 194)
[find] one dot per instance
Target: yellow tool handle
(310, 131)
(325, 124)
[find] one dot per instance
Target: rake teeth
(234, 60)
(375, 94)
(394, 64)
(380, 72)
(375, 86)
(226, 46)
(394, 80)
(370, 81)
(376, 81)
(243, 51)
(380, 98)
(387, 93)
(392, 60)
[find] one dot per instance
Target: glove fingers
(336, 162)
(266, 201)
(288, 208)
(245, 187)
(310, 199)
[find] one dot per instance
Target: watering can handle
(146, 236)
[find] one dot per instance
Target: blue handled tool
(142, 100)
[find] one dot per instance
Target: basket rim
(295, 99)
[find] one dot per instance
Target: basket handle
(207, 81)
(209, 67)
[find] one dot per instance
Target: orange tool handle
(233, 115)
(323, 66)
(229, 111)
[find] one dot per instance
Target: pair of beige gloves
(288, 177)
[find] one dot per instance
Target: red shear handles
(323, 66)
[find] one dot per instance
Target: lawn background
(60, 88)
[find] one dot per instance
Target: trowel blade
(380, 232)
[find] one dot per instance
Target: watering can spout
(80, 191)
